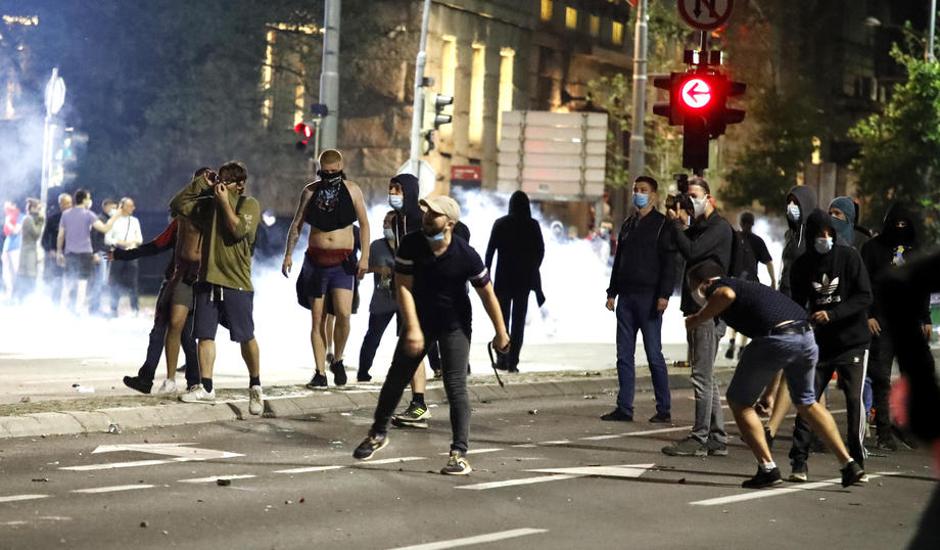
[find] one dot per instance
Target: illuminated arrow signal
(696, 93)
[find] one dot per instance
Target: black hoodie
(889, 250)
(795, 240)
(518, 239)
(835, 282)
(410, 217)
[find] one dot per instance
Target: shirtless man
(330, 205)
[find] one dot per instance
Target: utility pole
(933, 25)
(417, 117)
(329, 75)
(637, 137)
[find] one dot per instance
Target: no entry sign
(705, 15)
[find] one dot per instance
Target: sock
(254, 381)
(849, 461)
(768, 466)
(207, 384)
(418, 399)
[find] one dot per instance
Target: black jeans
(378, 322)
(514, 305)
(851, 366)
(879, 370)
(455, 351)
(124, 278)
(155, 347)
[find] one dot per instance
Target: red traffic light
(696, 93)
(304, 130)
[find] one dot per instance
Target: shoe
(512, 370)
(457, 465)
(716, 448)
(369, 446)
(415, 416)
(318, 382)
(617, 415)
(904, 437)
(863, 479)
(255, 400)
(799, 473)
(687, 447)
(181, 368)
(763, 479)
(730, 353)
(137, 384)
(887, 443)
(769, 438)
(339, 373)
(168, 387)
(363, 377)
(330, 358)
(198, 394)
(661, 418)
(852, 473)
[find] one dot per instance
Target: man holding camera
(701, 234)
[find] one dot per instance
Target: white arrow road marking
(17, 498)
(776, 492)
(479, 539)
(113, 488)
(558, 474)
(213, 479)
(181, 452)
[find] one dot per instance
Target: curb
(156, 416)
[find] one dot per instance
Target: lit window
(267, 78)
(299, 100)
(616, 33)
(547, 9)
(507, 57)
(477, 74)
(595, 25)
(448, 75)
(571, 18)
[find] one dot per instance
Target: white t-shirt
(125, 229)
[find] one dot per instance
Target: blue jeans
(637, 311)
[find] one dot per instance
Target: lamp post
(55, 99)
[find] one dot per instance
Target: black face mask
(331, 178)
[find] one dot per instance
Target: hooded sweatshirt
(518, 239)
(795, 240)
(409, 219)
(845, 230)
(890, 250)
(836, 282)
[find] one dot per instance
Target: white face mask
(698, 206)
(793, 212)
(396, 201)
(823, 245)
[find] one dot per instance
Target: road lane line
(113, 489)
(525, 446)
(393, 460)
(18, 498)
(479, 539)
(516, 482)
(134, 464)
(213, 479)
(779, 491)
(308, 469)
(555, 442)
(475, 452)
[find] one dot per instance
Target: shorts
(215, 305)
(316, 282)
(796, 354)
(182, 295)
(79, 266)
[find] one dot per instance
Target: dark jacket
(836, 282)
(646, 257)
(51, 232)
(408, 219)
(795, 240)
(518, 240)
(707, 239)
(889, 250)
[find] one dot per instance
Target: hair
(81, 195)
(63, 196)
(233, 172)
(700, 181)
(650, 180)
(703, 271)
(747, 218)
(330, 156)
(106, 202)
(32, 202)
(201, 171)
(123, 201)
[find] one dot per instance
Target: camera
(681, 200)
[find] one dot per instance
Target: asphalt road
(58, 493)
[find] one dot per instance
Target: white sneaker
(168, 387)
(255, 400)
(198, 394)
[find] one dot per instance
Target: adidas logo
(827, 290)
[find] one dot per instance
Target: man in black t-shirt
(753, 252)
(432, 268)
(782, 339)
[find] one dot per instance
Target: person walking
(383, 307)
(124, 277)
(31, 232)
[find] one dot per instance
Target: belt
(791, 327)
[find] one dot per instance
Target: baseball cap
(442, 204)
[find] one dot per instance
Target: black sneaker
(661, 418)
(852, 473)
(363, 377)
(686, 447)
(800, 472)
(457, 465)
(339, 373)
(904, 437)
(415, 416)
(318, 382)
(138, 384)
(763, 479)
(887, 443)
(617, 415)
(370, 445)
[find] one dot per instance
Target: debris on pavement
(223, 482)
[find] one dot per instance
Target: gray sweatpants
(703, 347)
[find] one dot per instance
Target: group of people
(826, 318)
(76, 245)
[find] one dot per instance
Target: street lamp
(55, 99)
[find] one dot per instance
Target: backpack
(743, 258)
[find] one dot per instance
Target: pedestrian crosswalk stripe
(471, 541)
(114, 488)
(18, 498)
(754, 495)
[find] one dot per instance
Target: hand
(821, 317)
(363, 268)
(928, 331)
(874, 327)
(414, 342)
(684, 217)
(611, 303)
(285, 267)
(764, 406)
(60, 259)
(221, 192)
(671, 215)
(501, 342)
(662, 304)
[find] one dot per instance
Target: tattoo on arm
(293, 235)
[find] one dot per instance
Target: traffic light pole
(329, 76)
(637, 133)
(418, 106)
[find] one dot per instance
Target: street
(547, 474)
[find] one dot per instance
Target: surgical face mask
(793, 212)
(390, 233)
(640, 200)
(396, 201)
(823, 245)
(698, 206)
(435, 238)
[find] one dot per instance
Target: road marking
(779, 491)
(18, 498)
(525, 446)
(475, 452)
(515, 482)
(181, 452)
(113, 489)
(133, 464)
(625, 471)
(393, 460)
(555, 442)
(213, 479)
(479, 539)
(308, 469)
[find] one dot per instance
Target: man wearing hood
(517, 239)
(891, 249)
(831, 282)
(800, 202)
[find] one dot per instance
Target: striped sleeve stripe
(482, 279)
(402, 261)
